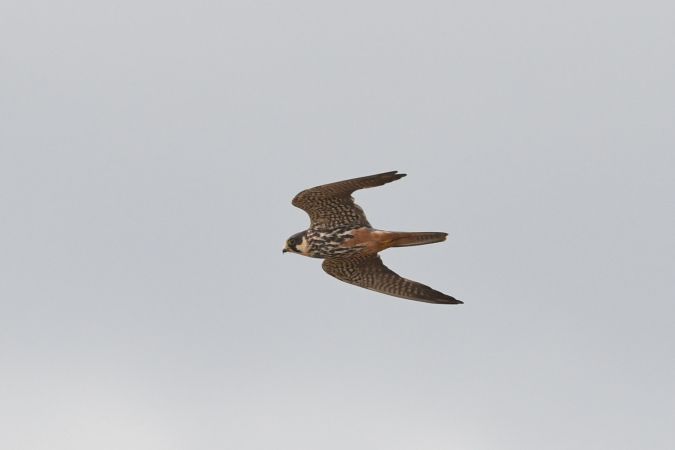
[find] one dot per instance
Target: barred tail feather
(402, 239)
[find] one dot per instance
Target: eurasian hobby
(340, 234)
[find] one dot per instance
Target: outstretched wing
(331, 205)
(369, 272)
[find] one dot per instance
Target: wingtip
(392, 175)
(447, 300)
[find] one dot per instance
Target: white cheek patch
(303, 246)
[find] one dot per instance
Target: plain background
(149, 153)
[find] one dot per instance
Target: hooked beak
(284, 251)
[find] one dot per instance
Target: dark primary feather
(369, 272)
(331, 205)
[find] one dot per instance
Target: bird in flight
(340, 234)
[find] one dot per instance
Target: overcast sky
(149, 151)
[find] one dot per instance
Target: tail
(403, 239)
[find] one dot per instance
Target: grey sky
(148, 155)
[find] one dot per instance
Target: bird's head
(297, 243)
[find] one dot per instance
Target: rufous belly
(371, 240)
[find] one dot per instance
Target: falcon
(341, 235)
